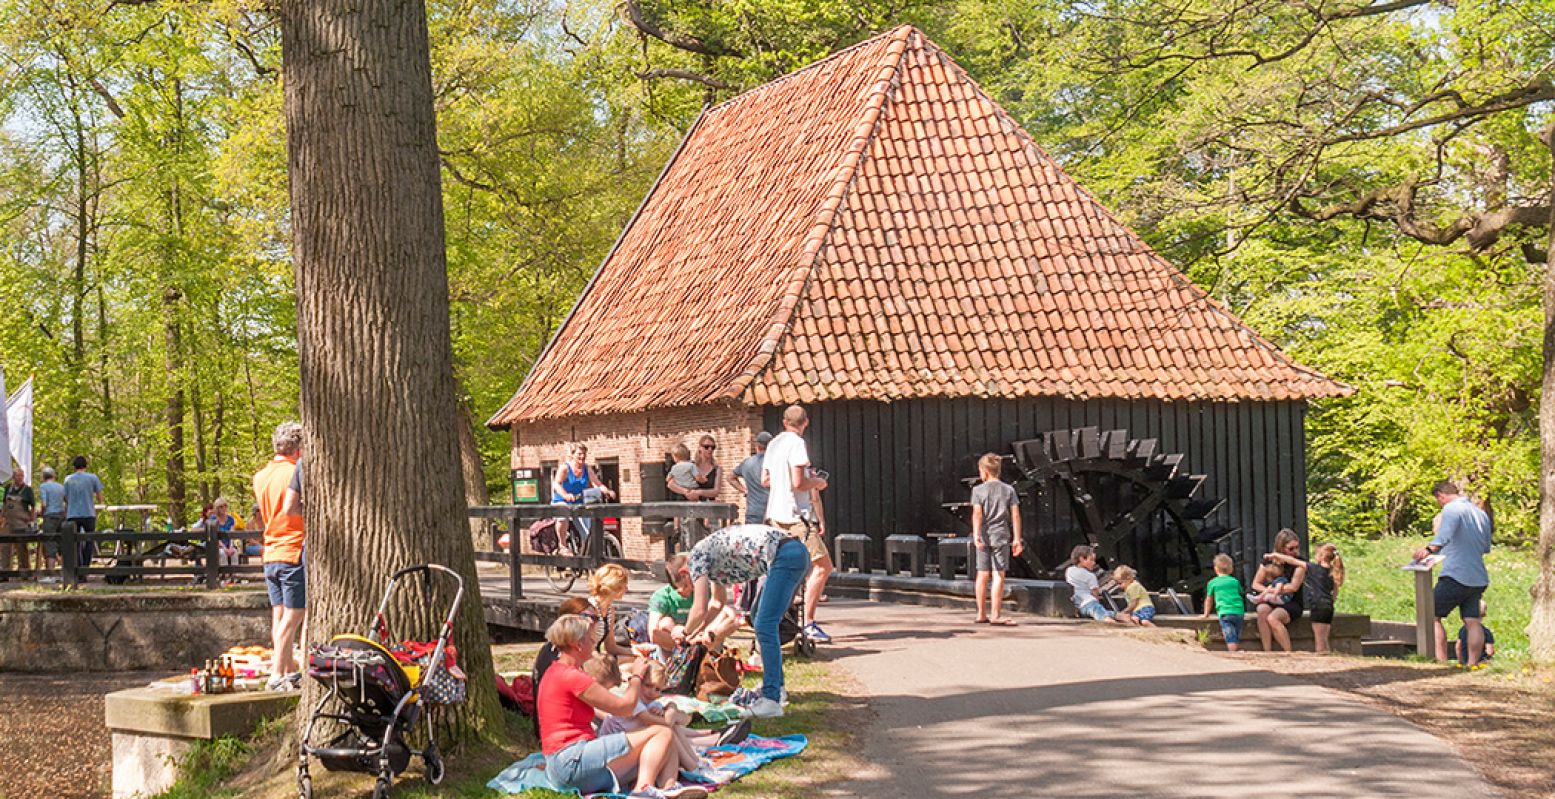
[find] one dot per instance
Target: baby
(1273, 576)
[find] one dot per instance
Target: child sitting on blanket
(651, 710)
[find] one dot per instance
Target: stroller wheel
(381, 787)
(806, 646)
(304, 784)
(434, 764)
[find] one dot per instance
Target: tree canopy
(1363, 182)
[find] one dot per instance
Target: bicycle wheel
(561, 580)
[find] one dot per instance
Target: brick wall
(633, 439)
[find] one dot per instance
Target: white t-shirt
(783, 454)
(1083, 582)
(610, 725)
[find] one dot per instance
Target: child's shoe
(816, 633)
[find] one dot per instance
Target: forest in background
(1362, 182)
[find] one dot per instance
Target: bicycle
(573, 544)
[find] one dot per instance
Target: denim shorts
(1145, 612)
(1231, 628)
(585, 765)
(287, 584)
(1095, 612)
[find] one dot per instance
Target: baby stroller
(379, 689)
(791, 628)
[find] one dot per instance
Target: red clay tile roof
(873, 226)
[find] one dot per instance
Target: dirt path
(1504, 724)
(52, 739)
(1066, 709)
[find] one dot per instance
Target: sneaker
(816, 633)
(765, 708)
(683, 791)
(783, 698)
(735, 733)
(649, 792)
(274, 682)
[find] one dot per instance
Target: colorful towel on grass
(711, 712)
(729, 764)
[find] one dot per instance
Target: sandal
(980, 621)
(1001, 622)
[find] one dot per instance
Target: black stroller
(379, 689)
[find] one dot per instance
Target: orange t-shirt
(283, 533)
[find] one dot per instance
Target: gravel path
(52, 739)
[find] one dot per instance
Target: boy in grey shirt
(996, 534)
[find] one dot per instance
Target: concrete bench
(154, 729)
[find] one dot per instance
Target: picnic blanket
(729, 763)
(712, 712)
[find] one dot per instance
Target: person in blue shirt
(1462, 538)
(51, 494)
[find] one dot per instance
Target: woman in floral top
(737, 555)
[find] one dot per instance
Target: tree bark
(473, 470)
(383, 484)
(1541, 626)
(173, 408)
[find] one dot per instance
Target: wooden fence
(516, 520)
(128, 554)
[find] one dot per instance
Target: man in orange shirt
(285, 568)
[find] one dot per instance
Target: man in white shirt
(794, 495)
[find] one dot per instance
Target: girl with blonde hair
(607, 584)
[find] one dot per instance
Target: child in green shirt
(1224, 596)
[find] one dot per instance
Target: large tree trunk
(1541, 628)
(383, 486)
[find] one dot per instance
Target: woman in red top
(574, 757)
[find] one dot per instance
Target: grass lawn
(826, 706)
(1375, 585)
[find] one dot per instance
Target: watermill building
(876, 238)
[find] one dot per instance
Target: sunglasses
(709, 446)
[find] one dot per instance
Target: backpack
(543, 539)
(683, 668)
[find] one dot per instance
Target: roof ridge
(900, 30)
(1173, 273)
(815, 241)
(495, 420)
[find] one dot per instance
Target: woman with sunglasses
(709, 477)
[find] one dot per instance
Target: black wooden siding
(892, 465)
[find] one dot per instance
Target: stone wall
(48, 631)
(634, 439)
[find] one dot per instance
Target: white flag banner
(5, 434)
(18, 417)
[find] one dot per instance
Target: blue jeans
(585, 765)
(785, 574)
